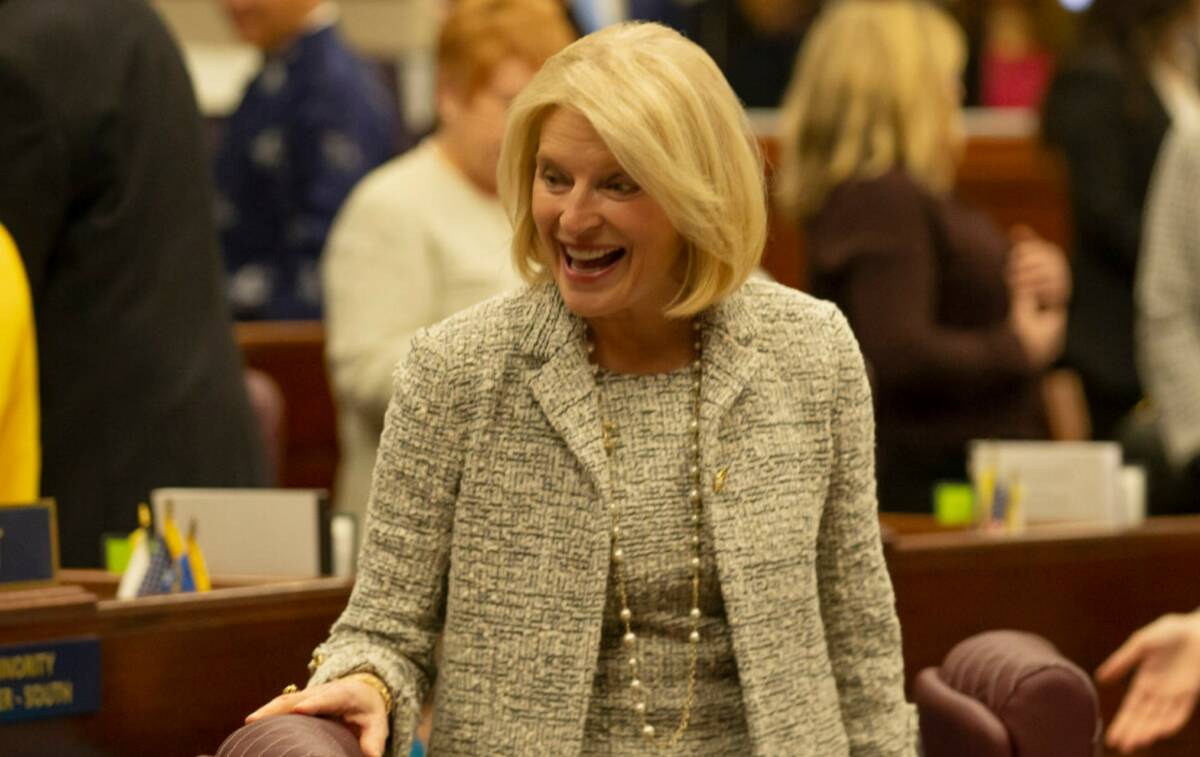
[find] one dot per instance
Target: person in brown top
(956, 319)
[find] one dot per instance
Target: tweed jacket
(488, 523)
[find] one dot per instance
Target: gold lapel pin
(719, 479)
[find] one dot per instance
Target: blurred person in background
(107, 193)
(1108, 109)
(20, 452)
(1020, 42)
(753, 41)
(1168, 309)
(424, 236)
(312, 123)
(957, 320)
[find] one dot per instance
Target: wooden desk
(178, 673)
(1084, 591)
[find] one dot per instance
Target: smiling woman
(635, 498)
(617, 258)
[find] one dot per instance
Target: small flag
(193, 570)
(160, 570)
(187, 582)
(170, 532)
(139, 556)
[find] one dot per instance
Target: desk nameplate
(28, 545)
(49, 679)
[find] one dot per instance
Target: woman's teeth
(577, 254)
(592, 259)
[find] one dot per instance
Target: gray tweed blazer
(487, 523)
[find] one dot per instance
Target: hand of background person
(356, 704)
(1038, 266)
(1165, 686)
(1040, 330)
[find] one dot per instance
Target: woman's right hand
(1041, 331)
(355, 703)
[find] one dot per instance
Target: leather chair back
(1004, 694)
(291, 736)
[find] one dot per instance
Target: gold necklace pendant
(719, 479)
(608, 435)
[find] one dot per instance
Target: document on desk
(262, 532)
(1061, 481)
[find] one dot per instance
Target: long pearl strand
(629, 640)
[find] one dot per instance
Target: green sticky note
(953, 503)
(116, 553)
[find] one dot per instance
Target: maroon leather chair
(1007, 694)
(291, 736)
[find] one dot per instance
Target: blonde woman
(956, 319)
(635, 498)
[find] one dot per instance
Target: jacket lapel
(563, 386)
(730, 362)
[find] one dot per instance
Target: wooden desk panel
(1017, 180)
(179, 672)
(1085, 592)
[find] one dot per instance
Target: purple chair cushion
(953, 724)
(1047, 704)
(291, 736)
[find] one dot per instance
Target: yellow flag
(171, 534)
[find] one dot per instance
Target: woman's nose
(579, 214)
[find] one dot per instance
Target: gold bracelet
(375, 682)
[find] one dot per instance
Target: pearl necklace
(629, 640)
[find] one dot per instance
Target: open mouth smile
(591, 261)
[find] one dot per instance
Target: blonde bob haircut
(875, 88)
(670, 119)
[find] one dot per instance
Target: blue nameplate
(49, 679)
(28, 545)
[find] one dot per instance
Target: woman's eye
(553, 179)
(622, 186)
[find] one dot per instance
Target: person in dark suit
(106, 190)
(1108, 109)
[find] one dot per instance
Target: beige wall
(376, 27)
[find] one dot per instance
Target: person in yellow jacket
(20, 450)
